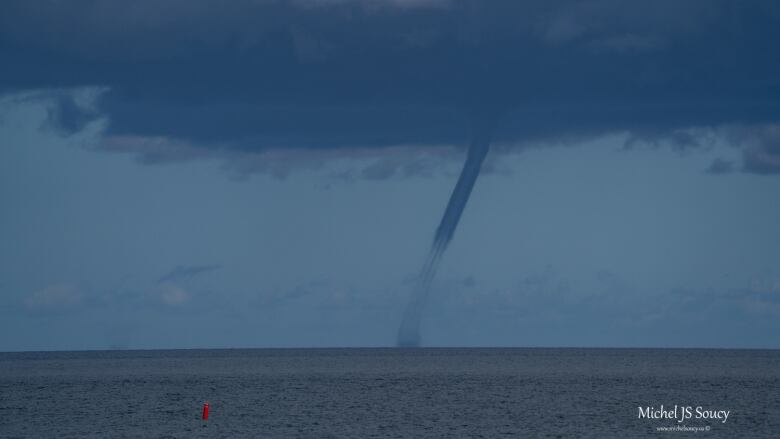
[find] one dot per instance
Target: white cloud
(171, 294)
(54, 296)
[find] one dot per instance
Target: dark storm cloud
(259, 75)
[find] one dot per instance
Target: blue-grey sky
(184, 174)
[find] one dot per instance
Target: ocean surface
(388, 393)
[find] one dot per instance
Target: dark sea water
(394, 393)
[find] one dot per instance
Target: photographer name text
(682, 413)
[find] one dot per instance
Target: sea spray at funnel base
(409, 331)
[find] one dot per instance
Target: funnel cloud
(409, 331)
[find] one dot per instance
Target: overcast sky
(188, 174)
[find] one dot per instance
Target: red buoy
(205, 411)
